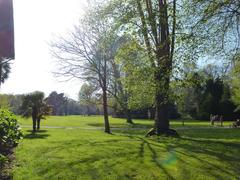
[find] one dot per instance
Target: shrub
(10, 132)
(3, 160)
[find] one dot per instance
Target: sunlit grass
(97, 121)
(200, 153)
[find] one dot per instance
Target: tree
(116, 88)
(150, 22)
(57, 102)
(84, 55)
(136, 77)
(235, 82)
(86, 95)
(204, 92)
(34, 106)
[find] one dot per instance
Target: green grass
(78, 153)
(97, 121)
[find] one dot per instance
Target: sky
(36, 23)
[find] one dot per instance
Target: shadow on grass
(212, 142)
(39, 131)
(211, 133)
(41, 134)
(214, 147)
(154, 155)
(102, 125)
(121, 125)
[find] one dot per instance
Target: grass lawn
(80, 150)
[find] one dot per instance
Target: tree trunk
(34, 118)
(162, 80)
(38, 123)
(160, 55)
(105, 111)
(161, 99)
(34, 124)
(161, 118)
(128, 116)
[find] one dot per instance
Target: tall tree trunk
(161, 98)
(105, 105)
(160, 55)
(162, 72)
(105, 110)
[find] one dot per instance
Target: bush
(10, 132)
(3, 160)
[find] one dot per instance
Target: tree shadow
(122, 125)
(115, 125)
(154, 156)
(41, 134)
(212, 148)
(213, 142)
(196, 149)
(39, 131)
(211, 133)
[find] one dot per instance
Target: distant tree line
(60, 104)
(207, 91)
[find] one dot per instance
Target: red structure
(6, 29)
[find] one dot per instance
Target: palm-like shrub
(4, 69)
(35, 106)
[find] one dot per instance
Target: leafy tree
(116, 88)
(137, 76)
(205, 92)
(235, 82)
(150, 23)
(57, 102)
(86, 95)
(35, 106)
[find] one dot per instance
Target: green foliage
(86, 93)
(3, 160)
(58, 102)
(214, 26)
(11, 102)
(10, 132)
(138, 79)
(4, 101)
(34, 105)
(235, 82)
(205, 92)
(4, 69)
